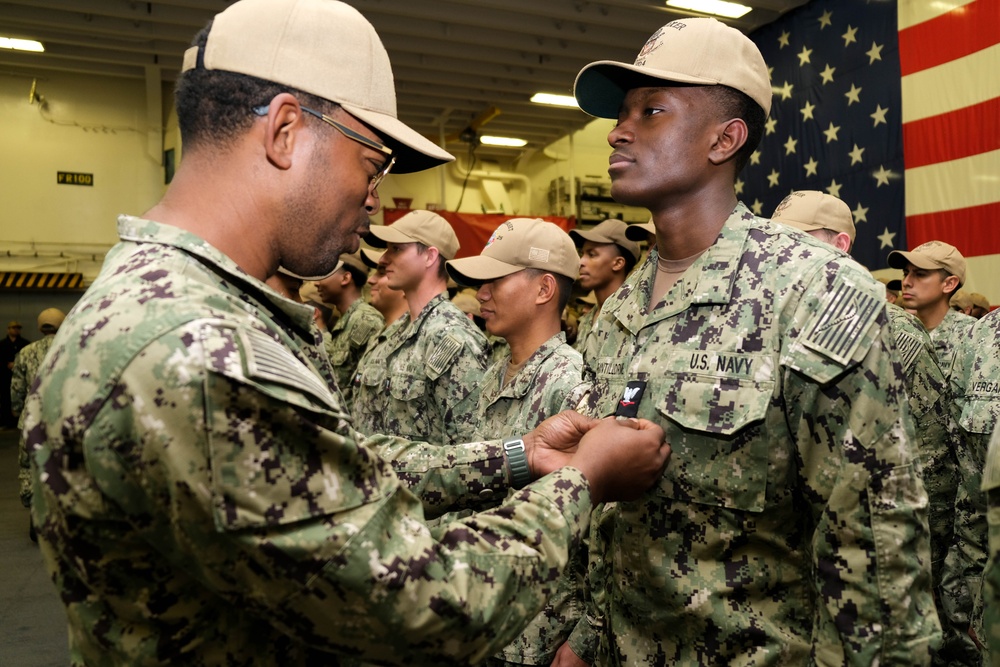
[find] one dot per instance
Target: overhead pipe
(505, 176)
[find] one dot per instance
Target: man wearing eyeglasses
(200, 495)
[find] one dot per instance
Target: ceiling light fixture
(21, 44)
(555, 100)
(510, 142)
(729, 10)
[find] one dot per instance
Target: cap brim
(370, 257)
(579, 236)
(639, 232)
(898, 259)
(381, 236)
(895, 285)
(282, 269)
(600, 87)
(801, 226)
(478, 270)
(413, 151)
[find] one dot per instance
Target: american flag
(950, 55)
(835, 122)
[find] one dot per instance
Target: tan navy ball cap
(931, 255)
(961, 300)
(467, 302)
(519, 243)
(701, 51)
(322, 47)
(979, 300)
(611, 230)
(639, 232)
(810, 209)
(13, 323)
(51, 316)
(895, 285)
(354, 260)
(418, 226)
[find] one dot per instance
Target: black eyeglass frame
(368, 142)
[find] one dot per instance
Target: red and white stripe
(949, 54)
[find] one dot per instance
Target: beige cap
(809, 210)
(979, 300)
(13, 323)
(52, 317)
(371, 257)
(610, 231)
(639, 232)
(419, 226)
(895, 285)
(701, 51)
(519, 243)
(961, 300)
(589, 298)
(322, 47)
(467, 302)
(931, 255)
(354, 260)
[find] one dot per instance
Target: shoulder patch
(269, 360)
(908, 347)
(443, 354)
(846, 313)
(362, 331)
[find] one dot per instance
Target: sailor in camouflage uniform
(422, 380)
(975, 385)
(358, 322)
(26, 365)
(200, 495)
(525, 277)
(829, 219)
(607, 256)
(932, 273)
(790, 527)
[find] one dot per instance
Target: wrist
(519, 473)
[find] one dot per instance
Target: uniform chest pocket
(718, 431)
(373, 375)
(407, 388)
(980, 415)
(339, 354)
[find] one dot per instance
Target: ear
(951, 285)
(548, 289)
(729, 139)
(842, 242)
(431, 256)
(346, 279)
(282, 134)
(618, 264)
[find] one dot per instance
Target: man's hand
(621, 458)
(552, 443)
(566, 658)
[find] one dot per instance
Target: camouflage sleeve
(265, 498)
(844, 404)
(19, 384)
(990, 630)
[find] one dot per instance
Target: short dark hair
(564, 285)
(215, 107)
(442, 269)
(629, 259)
(358, 277)
(733, 103)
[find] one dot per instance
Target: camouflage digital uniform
(990, 629)
(202, 499)
(422, 380)
(790, 525)
(975, 385)
(550, 381)
(936, 443)
(26, 365)
(347, 341)
(583, 326)
(953, 330)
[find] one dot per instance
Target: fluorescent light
(511, 142)
(555, 100)
(21, 44)
(730, 10)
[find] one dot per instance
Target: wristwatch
(517, 460)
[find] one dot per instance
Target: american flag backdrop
(835, 122)
(949, 54)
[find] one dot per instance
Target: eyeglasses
(354, 136)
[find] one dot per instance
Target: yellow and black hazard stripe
(49, 281)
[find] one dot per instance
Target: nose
(372, 202)
(620, 134)
(483, 293)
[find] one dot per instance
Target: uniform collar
(709, 280)
(525, 379)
